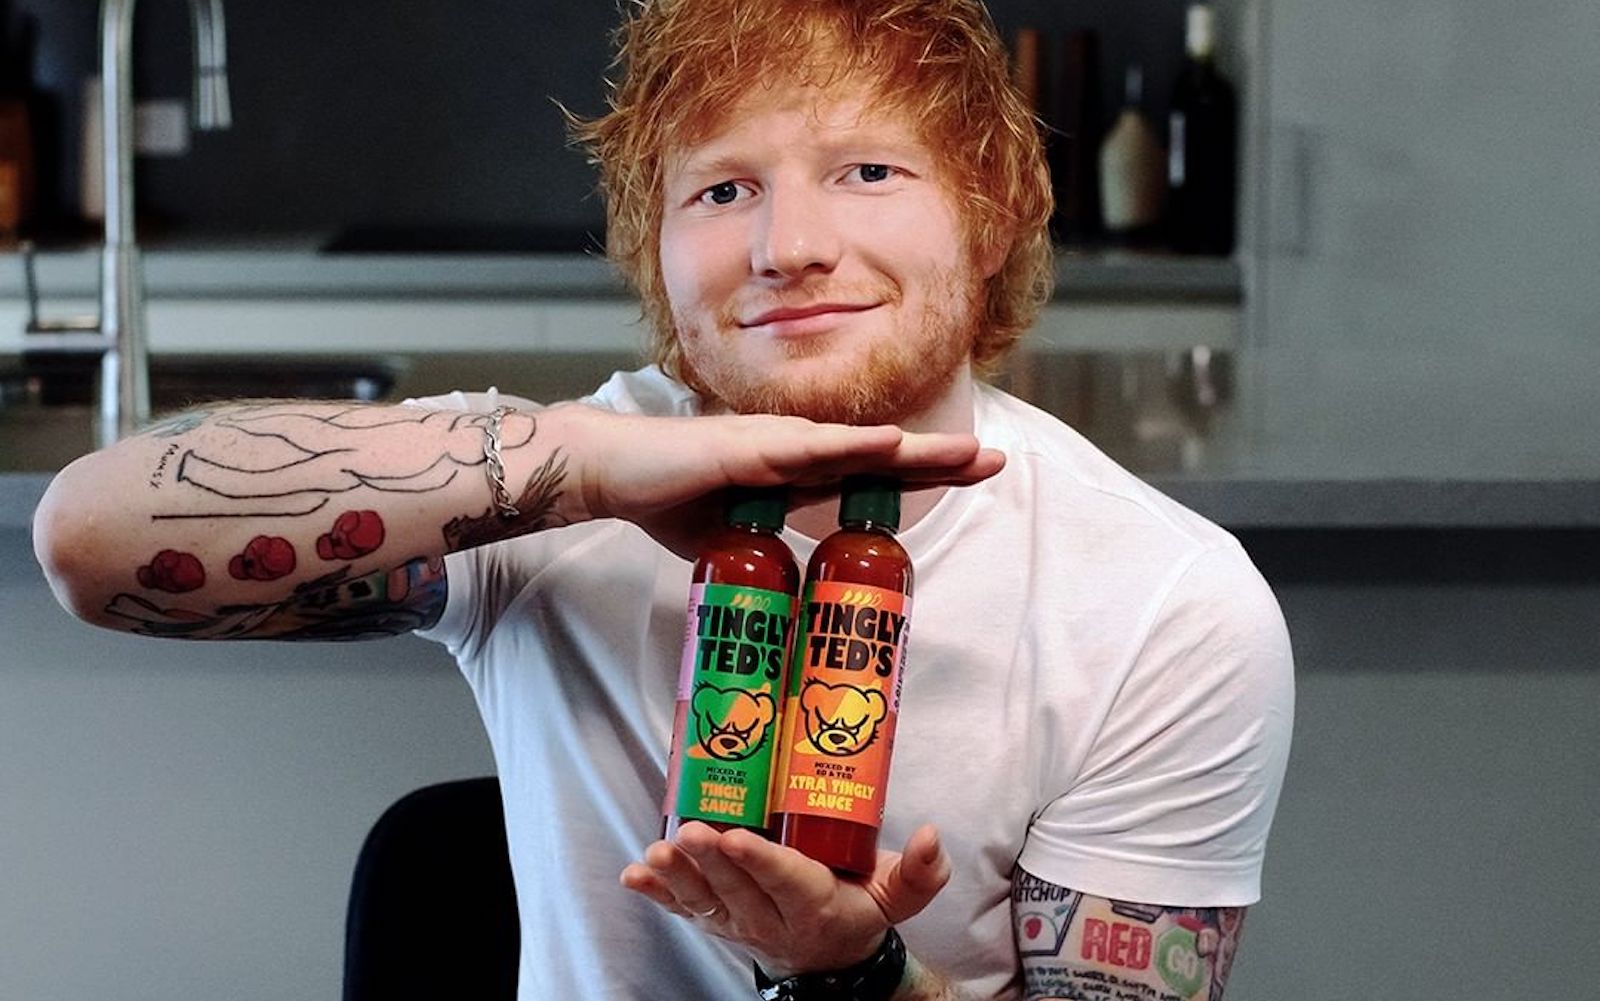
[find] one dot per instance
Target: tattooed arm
(328, 520)
(1086, 948)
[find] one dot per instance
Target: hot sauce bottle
(736, 644)
(843, 692)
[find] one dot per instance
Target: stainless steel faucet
(117, 335)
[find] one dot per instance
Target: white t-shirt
(1098, 687)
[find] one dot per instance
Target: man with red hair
(838, 210)
(834, 213)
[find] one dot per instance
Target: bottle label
(727, 713)
(842, 701)
(1177, 149)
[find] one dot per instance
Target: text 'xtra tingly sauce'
(842, 697)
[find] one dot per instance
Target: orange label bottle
(843, 695)
(730, 680)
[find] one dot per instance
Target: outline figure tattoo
(304, 477)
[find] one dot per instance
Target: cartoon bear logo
(841, 720)
(731, 723)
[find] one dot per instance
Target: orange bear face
(730, 723)
(841, 720)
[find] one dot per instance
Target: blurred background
(1377, 366)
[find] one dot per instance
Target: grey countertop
(293, 266)
(1253, 503)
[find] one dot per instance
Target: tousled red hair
(685, 63)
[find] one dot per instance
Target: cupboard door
(1426, 243)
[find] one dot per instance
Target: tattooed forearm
(342, 492)
(176, 424)
(282, 460)
(536, 505)
(923, 984)
(334, 606)
(1087, 948)
(159, 473)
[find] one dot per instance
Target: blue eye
(721, 194)
(874, 171)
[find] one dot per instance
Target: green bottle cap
(763, 507)
(870, 498)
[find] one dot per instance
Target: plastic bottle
(843, 694)
(736, 644)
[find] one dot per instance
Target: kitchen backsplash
(372, 113)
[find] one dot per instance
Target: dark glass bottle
(1202, 147)
(730, 682)
(843, 693)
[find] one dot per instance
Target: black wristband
(875, 978)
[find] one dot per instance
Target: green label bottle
(730, 681)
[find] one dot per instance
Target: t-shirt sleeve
(477, 403)
(1174, 801)
(454, 629)
(462, 624)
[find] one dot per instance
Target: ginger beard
(839, 377)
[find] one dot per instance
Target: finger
(914, 473)
(752, 914)
(914, 879)
(986, 463)
(798, 451)
(979, 466)
(837, 453)
(680, 875)
(797, 885)
(939, 451)
(641, 879)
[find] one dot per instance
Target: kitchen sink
(1156, 412)
(47, 404)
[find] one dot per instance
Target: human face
(816, 265)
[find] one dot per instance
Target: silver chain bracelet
(494, 467)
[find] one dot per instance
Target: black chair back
(433, 913)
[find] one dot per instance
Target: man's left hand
(793, 913)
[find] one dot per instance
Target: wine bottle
(1132, 181)
(1074, 103)
(1203, 136)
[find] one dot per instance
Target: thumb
(916, 878)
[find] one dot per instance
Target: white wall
(181, 820)
(1428, 223)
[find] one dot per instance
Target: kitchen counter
(1251, 503)
(284, 295)
(293, 266)
(432, 311)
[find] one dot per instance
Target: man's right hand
(267, 520)
(665, 473)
